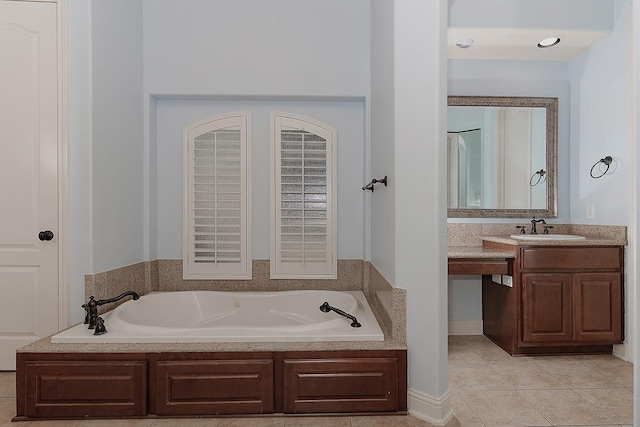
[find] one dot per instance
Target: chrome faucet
(91, 307)
(534, 221)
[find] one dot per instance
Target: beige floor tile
(504, 408)
(7, 410)
(615, 403)
(579, 376)
(497, 355)
(477, 377)
(620, 373)
(464, 356)
(252, 422)
(317, 422)
(50, 423)
(565, 407)
(464, 414)
(527, 376)
(7, 384)
(128, 422)
(186, 422)
(388, 421)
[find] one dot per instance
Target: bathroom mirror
(501, 157)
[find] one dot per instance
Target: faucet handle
(522, 229)
(546, 229)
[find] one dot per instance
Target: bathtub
(211, 316)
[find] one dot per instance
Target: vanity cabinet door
(546, 307)
(597, 304)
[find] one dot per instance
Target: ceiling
(520, 44)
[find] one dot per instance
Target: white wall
(592, 15)
(312, 57)
(257, 47)
(415, 84)
(79, 153)
(117, 118)
(173, 115)
(381, 204)
(600, 112)
(105, 140)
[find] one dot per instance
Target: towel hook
(607, 161)
(374, 181)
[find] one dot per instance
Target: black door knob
(45, 235)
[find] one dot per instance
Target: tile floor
(488, 387)
(491, 388)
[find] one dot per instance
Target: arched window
(303, 198)
(217, 198)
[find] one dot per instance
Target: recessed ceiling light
(464, 43)
(548, 42)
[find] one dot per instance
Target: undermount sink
(547, 237)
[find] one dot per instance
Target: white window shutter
(303, 198)
(217, 198)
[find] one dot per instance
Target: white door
(28, 175)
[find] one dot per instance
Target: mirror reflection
(501, 156)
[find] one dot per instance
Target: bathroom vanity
(548, 297)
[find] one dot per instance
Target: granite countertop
(478, 252)
(589, 241)
(45, 346)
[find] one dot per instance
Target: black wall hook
(374, 181)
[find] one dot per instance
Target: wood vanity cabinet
(564, 300)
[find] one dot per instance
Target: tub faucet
(534, 221)
(91, 307)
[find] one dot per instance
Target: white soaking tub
(211, 316)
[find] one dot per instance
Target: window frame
(310, 270)
(214, 270)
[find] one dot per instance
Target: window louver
(217, 198)
(303, 241)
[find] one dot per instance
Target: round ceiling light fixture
(548, 42)
(464, 43)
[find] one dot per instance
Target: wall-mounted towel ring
(374, 181)
(607, 161)
(541, 178)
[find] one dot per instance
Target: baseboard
(473, 327)
(623, 351)
(436, 411)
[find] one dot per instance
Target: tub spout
(325, 308)
(91, 307)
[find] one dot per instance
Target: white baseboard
(436, 411)
(473, 327)
(624, 352)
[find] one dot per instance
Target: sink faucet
(91, 307)
(534, 221)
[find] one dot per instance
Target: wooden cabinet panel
(202, 387)
(340, 385)
(479, 266)
(597, 303)
(546, 307)
(86, 388)
(571, 258)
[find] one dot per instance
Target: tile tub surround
(388, 302)
(471, 234)
(350, 278)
